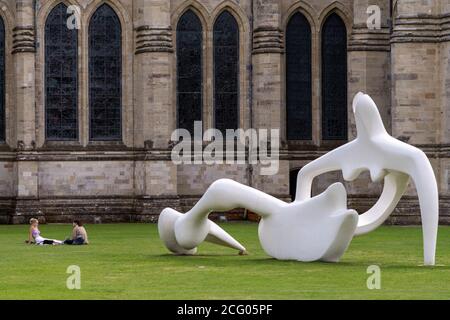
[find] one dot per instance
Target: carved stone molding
(268, 40)
(363, 39)
(24, 39)
(153, 39)
(421, 29)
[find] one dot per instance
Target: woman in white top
(35, 235)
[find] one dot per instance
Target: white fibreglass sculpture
(318, 228)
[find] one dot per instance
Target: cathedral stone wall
(404, 65)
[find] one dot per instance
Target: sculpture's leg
(222, 195)
(167, 224)
(226, 194)
(218, 236)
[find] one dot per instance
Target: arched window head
(189, 70)
(105, 75)
(61, 80)
(334, 79)
(226, 72)
(298, 79)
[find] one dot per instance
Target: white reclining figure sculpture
(318, 228)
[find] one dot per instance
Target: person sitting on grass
(35, 235)
(79, 234)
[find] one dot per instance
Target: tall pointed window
(226, 72)
(334, 79)
(105, 75)
(61, 82)
(189, 70)
(298, 79)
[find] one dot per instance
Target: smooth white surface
(318, 228)
(182, 233)
(385, 157)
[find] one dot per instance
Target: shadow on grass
(249, 261)
(187, 256)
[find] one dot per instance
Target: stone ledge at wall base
(97, 210)
(7, 207)
(65, 210)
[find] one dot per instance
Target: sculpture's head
(367, 117)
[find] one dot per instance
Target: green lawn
(128, 261)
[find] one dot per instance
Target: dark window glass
(226, 72)
(105, 75)
(189, 70)
(334, 79)
(61, 83)
(298, 79)
(293, 183)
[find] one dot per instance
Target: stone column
(24, 50)
(444, 147)
(369, 57)
(268, 52)
(267, 97)
(415, 72)
(154, 111)
(417, 86)
(445, 76)
(155, 115)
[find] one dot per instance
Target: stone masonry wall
(404, 66)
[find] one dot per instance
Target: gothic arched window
(226, 72)
(2, 81)
(298, 79)
(105, 75)
(189, 70)
(61, 80)
(334, 79)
